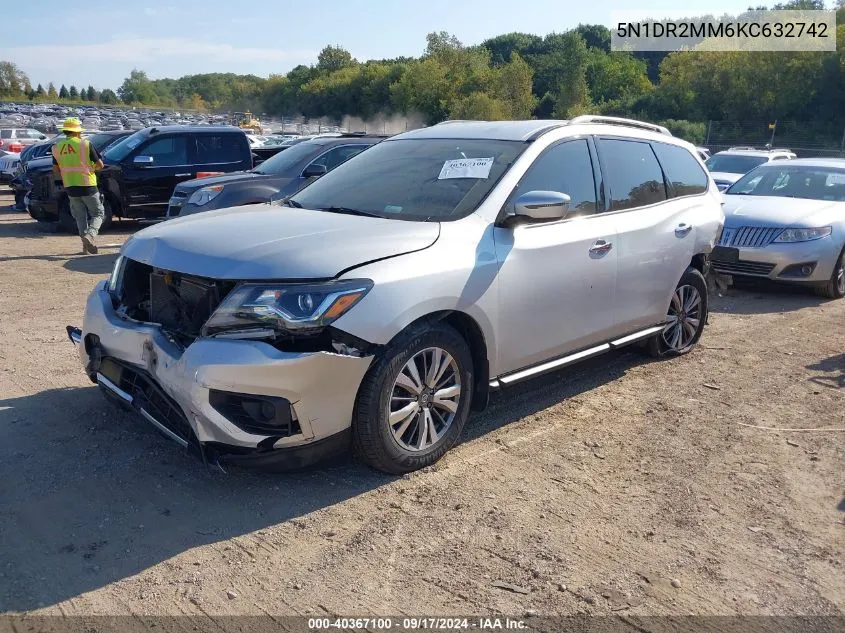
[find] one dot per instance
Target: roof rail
(612, 120)
(742, 147)
(457, 121)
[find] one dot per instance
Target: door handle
(180, 175)
(600, 247)
(682, 230)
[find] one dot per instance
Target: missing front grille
(181, 304)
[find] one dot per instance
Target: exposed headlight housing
(205, 195)
(803, 235)
(286, 308)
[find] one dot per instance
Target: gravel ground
(622, 486)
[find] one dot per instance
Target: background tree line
(516, 75)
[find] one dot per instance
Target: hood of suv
(263, 242)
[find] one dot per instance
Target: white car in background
(730, 165)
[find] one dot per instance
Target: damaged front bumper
(214, 394)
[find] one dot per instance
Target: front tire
(686, 317)
(835, 288)
(414, 401)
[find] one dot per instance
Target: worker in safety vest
(76, 160)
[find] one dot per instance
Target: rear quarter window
(684, 174)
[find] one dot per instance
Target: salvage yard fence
(806, 139)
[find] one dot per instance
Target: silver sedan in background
(786, 221)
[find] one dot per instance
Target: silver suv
(386, 300)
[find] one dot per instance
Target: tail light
(15, 147)
(209, 174)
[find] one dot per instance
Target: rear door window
(633, 174)
(213, 149)
(684, 174)
(5, 133)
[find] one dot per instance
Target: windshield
(793, 181)
(288, 160)
(414, 179)
(119, 151)
(734, 163)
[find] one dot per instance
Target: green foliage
(63, 93)
(13, 81)
(73, 93)
(334, 58)
(108, 97)
(692, 131)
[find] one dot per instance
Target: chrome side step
(524, 374)
(552, 364)
(636, 336)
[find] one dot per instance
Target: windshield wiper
(287, 202)
(348, 211)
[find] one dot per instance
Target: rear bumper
(321, 387)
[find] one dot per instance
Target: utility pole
(709, 126)
(774, 129)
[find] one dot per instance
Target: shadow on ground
(835, 365)
(763, 297)
(92, 495)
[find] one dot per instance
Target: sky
(99, 43)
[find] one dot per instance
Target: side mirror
(543, 206)
(143, 161)
(314, 171)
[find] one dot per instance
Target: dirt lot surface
(622, 486)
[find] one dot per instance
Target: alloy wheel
(424, 399)
(840, 276)
(684, 318)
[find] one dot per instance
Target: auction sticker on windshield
(466, 168)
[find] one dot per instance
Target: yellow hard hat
(72, 124)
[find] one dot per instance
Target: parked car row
(145, 171)
(381, 303)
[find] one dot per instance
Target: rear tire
(402, 402)
(835, 287)
(687, 316)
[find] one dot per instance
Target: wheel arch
(701, 262)
(471, 331)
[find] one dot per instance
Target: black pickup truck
(142, 170)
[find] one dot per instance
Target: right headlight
(205, 195)
(289, 308)
(803, 235)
